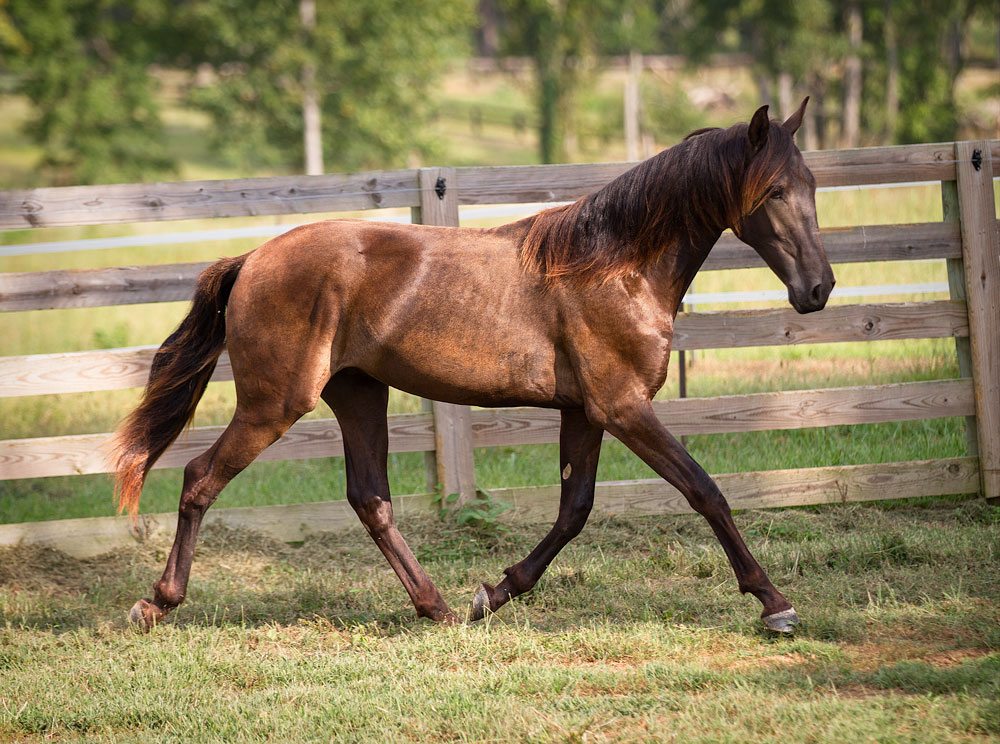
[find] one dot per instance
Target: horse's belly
(462, 371)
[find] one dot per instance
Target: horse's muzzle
(813, 300)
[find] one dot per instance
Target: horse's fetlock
(516, 580)
(166, 596)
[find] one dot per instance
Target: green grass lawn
(635, 634)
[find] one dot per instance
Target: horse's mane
(707, 182)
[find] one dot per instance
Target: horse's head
(781, 221)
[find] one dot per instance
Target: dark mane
(703, 184)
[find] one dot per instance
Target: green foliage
(557, 36)
(482, 513)
(83, 64)
(374, 63)
(928, 69)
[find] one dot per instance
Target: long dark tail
(177, 379)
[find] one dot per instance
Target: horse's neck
(675, 271)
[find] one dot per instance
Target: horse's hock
(966, 240)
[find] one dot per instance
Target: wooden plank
(80, 205)
(837, 323)
(185, 200)
(517, 184)
(114, 369)
(798, 409)
(981, 256)
(868, 165)
(85, 371)
(956, 289)
(432, 208)
(292, 522)
(794, 409)
(854, 245)
(767, 489)
(42, 290)
(453, 457)
(456, 470)
(120, 285)
(68, 455)
(82, 454)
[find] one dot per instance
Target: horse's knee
(375, 513)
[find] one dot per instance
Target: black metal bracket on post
(977, 159)
(440, 188)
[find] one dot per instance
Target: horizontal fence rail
(125, 285)
(88, 205)
(966, 240)
(839, 484)
(115, 369)
(908, 401)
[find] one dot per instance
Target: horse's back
(447, 313)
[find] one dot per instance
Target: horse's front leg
(636, 425)
(579, 449)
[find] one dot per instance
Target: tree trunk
(312, 131)
(851, 133)
(819, 111)
(786, 103)
(892, 76)
(488, 33)
(550, 140)
(633, 136)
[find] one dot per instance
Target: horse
(572, 309)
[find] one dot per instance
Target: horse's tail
(177, 379)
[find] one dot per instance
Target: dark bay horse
(572, 309)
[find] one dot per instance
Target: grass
(636, 633)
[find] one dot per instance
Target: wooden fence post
(981, 256)
(956, 289)
(452, 461)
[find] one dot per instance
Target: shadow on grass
(855, 573)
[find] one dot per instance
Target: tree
(83, 64)
(919, 55)
(792, 43)
(372, 61)
(557, 35)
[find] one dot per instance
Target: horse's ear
(759, 129)
(794, 121)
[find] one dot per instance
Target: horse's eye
(777, 193)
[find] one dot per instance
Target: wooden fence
(966, 239)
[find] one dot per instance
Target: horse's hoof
(782, 622)
(145, 615)
(480, 603)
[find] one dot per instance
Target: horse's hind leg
(360, 403)
(248, 434)
(579, 449)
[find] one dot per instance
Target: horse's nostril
(817, 294)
